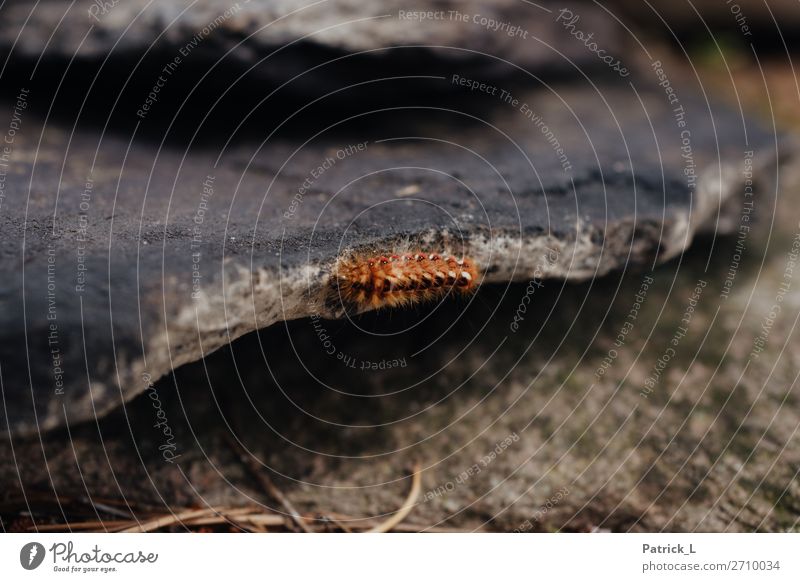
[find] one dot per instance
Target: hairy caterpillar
(396, 280)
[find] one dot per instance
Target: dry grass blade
(247, 518)
(82, 525)
(171, 519)
(252, 518)
(267, 483)
(340, 524)
(405, 509)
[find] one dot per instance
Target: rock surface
(125, 260)
(286, 38)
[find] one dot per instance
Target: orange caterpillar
(396, 280)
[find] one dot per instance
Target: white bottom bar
(401, 557)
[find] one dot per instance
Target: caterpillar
(396, 280)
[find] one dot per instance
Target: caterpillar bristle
(374, 282)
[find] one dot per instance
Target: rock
(282, 39)
(587, 449)
(124, 259)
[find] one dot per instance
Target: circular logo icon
(31, 555)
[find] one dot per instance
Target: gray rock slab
(123, 258)
(247, 32)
